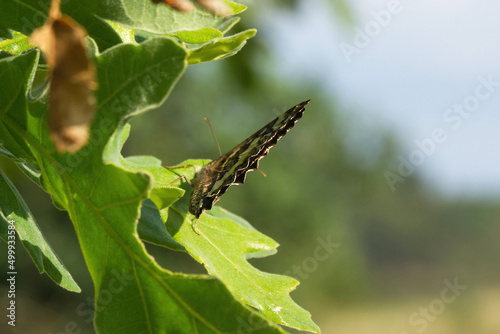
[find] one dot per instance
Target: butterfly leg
(195, 226)
(182, 176)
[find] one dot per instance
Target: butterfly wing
(231, 168)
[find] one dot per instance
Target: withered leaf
(217, 7)
(72, 79)
(180, 5)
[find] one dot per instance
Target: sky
(427, 71)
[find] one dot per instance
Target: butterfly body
(231, 168)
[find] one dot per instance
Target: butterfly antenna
(263, 174)
(213, 134)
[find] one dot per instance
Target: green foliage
(13, 208)
(201, 36)
(116, 203)
(15, 45)
(219, 48)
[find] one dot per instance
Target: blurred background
(384, 197)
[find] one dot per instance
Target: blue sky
(417, 66)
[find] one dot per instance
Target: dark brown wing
(231, 168)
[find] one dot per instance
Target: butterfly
(212, 181)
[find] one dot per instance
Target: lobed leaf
(116, 202)
(17, 44)
(133, 294)
(158, 19)
(14, 209)
(200, 36)
(224, 245)
(219, 48)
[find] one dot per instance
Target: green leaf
(18, 72)
(159, 19)
(15, 210)
(114, 203)
(28, 169)
(26, 15)
(98, 29)
(200, 36)
(219, 212)
(224, 245)
(152, 229)
(126, 34)
(6, 153)
(103, 198)
(220, 47)
(224, 253)
(19, 43)
(236, 8)
(226, 25)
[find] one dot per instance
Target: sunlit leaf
(15, 210)
(220, 47)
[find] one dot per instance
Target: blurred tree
(316, 188)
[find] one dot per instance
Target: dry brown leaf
(215, 6)
(72, 79)
(180, 5)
